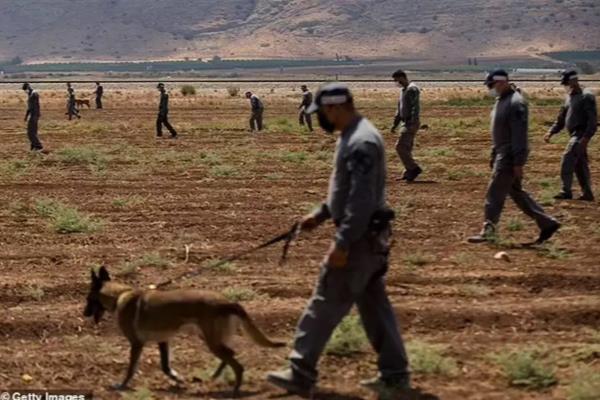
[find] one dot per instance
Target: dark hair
(98, 83)
(399, 74)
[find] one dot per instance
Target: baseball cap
(330, 94)
(567, 76)
(496, 75)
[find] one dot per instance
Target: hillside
(63, 30)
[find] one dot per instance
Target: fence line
(235, 81)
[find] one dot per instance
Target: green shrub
(585, 385)
(525, 369)
(429, 359)
(233, 91)
(348, 338)
(188, 90)
(65, 219)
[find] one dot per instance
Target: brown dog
(156, 316)
(80, 103)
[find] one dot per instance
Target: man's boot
(547, 233)
(291, 382)
(487, 234)
(564, 196)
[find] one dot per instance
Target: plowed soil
(221, 190)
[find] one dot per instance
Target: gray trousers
(503, 184)
(256, 120)
(163, 119)
(404, 146)
(32, 134)
(575, 161)
(304, 117)
(361, 282)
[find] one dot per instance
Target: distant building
(537, 71)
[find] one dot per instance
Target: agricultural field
(109, 193)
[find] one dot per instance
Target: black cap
(160, 85)
(496, 75)
(303, 87)
(567, 76)
(330, 94)
(25, 86)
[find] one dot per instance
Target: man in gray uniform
(257, 109)
(163, 113)
(99, 92)
(71, 106)
(307, 99)
(32, 116)
(353, 270)
(408, 118)
(580, 116)
(510, 119)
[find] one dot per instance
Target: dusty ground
(222, 190)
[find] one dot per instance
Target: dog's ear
(103, 274)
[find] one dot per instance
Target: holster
(381, 220)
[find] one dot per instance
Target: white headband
(334, 99)
(499, 78)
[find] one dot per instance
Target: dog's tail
(250, 327)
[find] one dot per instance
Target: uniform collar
(352, 126)
(508, 93)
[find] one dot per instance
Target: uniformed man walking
(99, 92)
(304, 117)
(408, 118)
(510, 119)
(580, 117)
(257, 109)
(353, 270)
(163, 113)
(71, 105)
(32, 116)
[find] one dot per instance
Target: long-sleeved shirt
(509, 126)
(409, 107)
(579, 115)
(256, 103)
(163, 106)
(99, 92)
(307, 99)
(33, 105)
(357, 183)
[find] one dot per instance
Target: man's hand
(309, 222)
(547, 137)
(336, 257)
(518, 171)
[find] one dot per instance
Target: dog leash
(287, 237)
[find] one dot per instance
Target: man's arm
(315, 218)
(412, 99)
(559, 124)
(591, 114)
(518, 133)
(361, 202)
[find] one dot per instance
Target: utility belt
(380, 220)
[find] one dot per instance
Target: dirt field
(222, 190)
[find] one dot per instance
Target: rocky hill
(63, 30)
